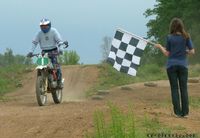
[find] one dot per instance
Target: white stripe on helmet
(44, 22)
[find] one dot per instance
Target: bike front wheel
(40, 91)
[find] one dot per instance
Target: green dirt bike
(47, 80)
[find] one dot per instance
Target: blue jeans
(178, 76)
(54, 60)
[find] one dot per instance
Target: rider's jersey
(47, 41)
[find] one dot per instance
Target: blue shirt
(176, 46)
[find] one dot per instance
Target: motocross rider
(49, 40)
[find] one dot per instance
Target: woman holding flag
(178, 46)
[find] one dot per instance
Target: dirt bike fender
(40, 67)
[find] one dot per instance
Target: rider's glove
(60, 43)
(30, 54)
(66, 44)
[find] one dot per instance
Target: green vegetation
(154, 125)
(69, 58)
(124, 125)
(179, 127)
(105, 47)
(158, 26)
(12, 68)
(8, 58)
(10, 77)
(194, 70)
(194, 102)
(109, 77)
(119, 125)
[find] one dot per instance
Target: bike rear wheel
(40, 91)
(57, 96)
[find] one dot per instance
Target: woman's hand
(190, 52)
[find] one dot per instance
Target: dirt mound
(77, 80)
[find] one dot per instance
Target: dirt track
(21, 117)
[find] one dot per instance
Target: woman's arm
(163, 50)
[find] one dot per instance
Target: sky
(83, 23)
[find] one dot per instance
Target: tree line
(8, 58)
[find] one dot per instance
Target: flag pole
(122, 30)
(152, 43)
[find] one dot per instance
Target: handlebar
(43, 54)
(65, 43)
(35, 55)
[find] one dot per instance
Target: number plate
(43, 61)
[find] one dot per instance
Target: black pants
(178, 76)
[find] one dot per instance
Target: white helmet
(47, 23)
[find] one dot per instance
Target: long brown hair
(176, 26)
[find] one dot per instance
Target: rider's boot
(60, 84)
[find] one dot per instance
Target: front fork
(44, 74)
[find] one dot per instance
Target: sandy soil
(21, 117)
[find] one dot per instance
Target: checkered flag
(126, 51)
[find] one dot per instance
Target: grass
(124, 125)
(194, 102)
(3, 98)
(153, 125)
(109, 77)
(179, 127)
(119, 125)
(10, 76)
(194, 70)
